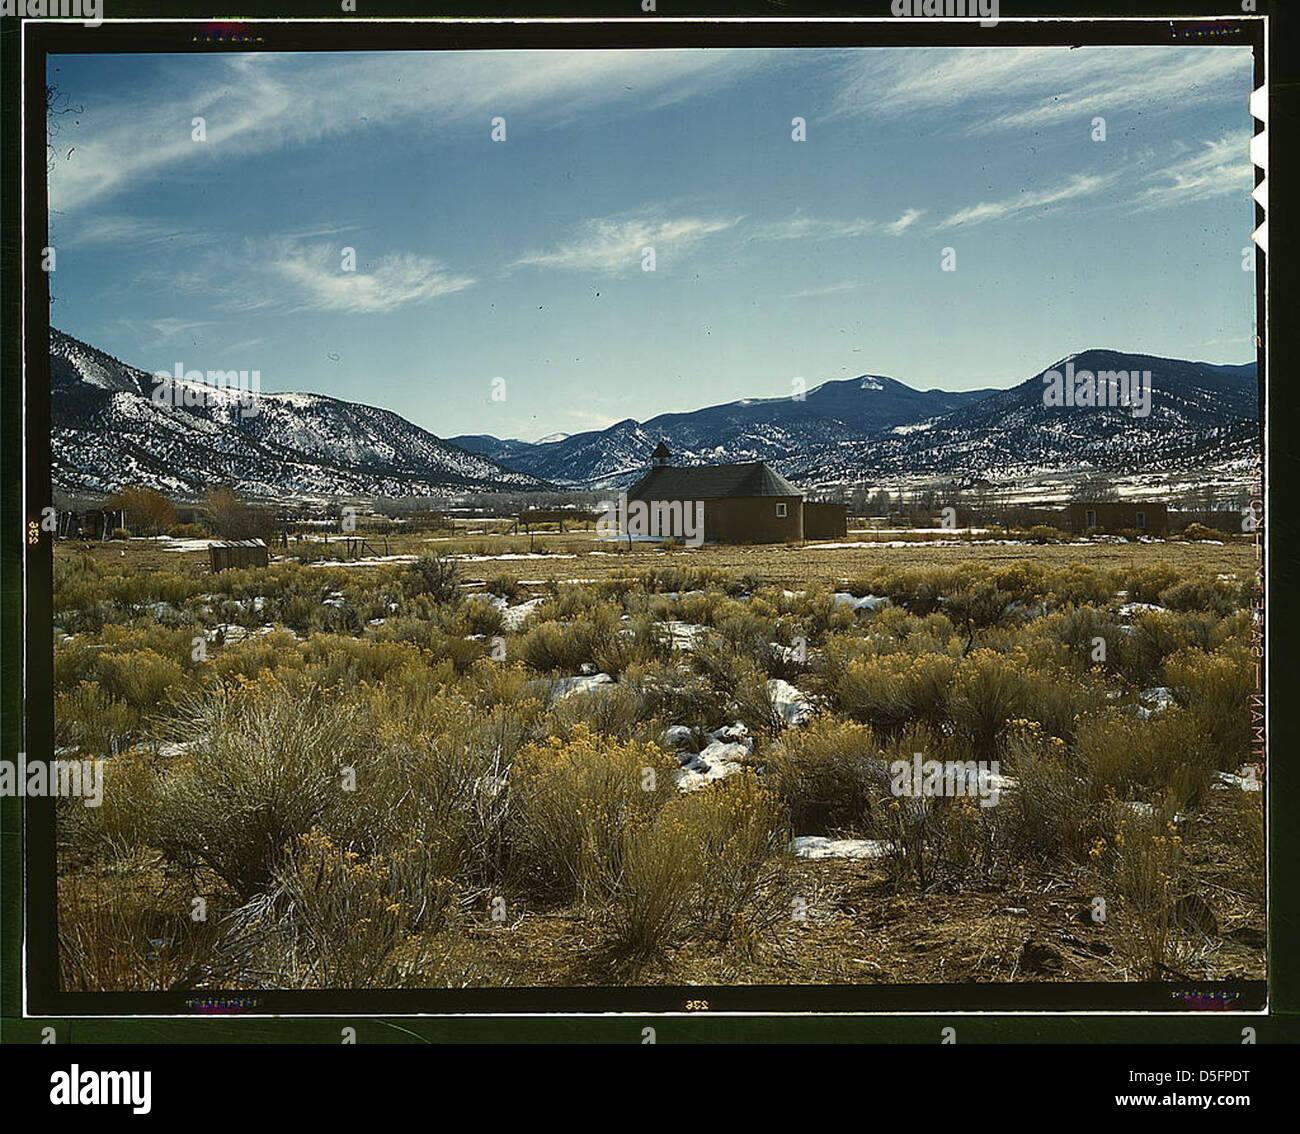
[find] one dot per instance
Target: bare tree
(234, 518)
(146, 507)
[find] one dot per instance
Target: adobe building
(747, 503)
(824, 520)
(1117, 516)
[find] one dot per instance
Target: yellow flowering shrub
(827, 773)
(1142, 876)
(700, 859)
(570, 803)
(889, 690)
(1216, 690)
(354, 915)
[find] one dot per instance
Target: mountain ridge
(114, 424)
(1203, 412)
(109, 430)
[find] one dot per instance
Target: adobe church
(744, 503)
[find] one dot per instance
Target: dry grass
(360, 790)
(777, 564)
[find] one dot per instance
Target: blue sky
(775, 259)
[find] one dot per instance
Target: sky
(774, 259)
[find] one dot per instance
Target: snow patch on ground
(866, 602)
(515, 616)
(1246, 780)
(818, 846)
(230, 633)
(1147, 811)
(1156, 700)
(793, 705)
(516, 555)
(684, 635)
(928, 531)
(372, 561)
(725, 755)
(925, 543)
(543, 582)
(1132, 609)
(1036, 610)
(171, 543)
(678, 736)
(566, 686)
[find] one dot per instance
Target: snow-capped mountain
(109, 430)
(784, 431)
(842, 431)
(1200, 415)
(113, 426)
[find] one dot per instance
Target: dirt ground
(858, 929)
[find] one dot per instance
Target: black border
(43, 998)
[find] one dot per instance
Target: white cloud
(116, 231)
(245, 344)
(1081, 185)
(167, 328)
(812, 228)
(1218, 168)
(615, 244)
(801, 227)
(393, 280)
(909, 218)
(826, 289)
(985, 90)
(287, 274)
(272, 102)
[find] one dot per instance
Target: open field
(563, 557)
(473, 771)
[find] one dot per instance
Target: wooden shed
(745, 503)
(223, 554)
